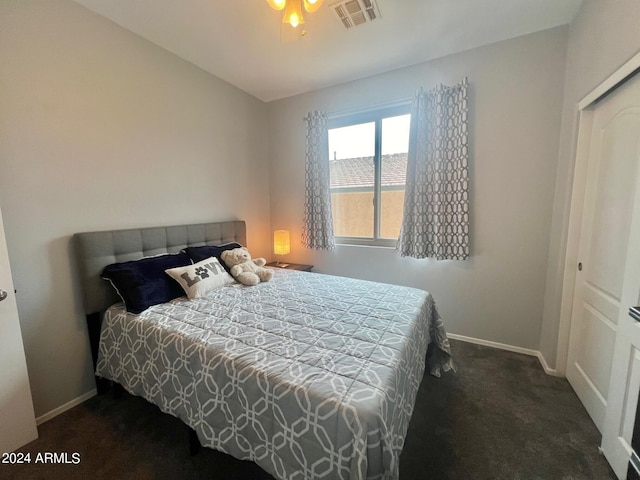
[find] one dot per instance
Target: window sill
(366, 242)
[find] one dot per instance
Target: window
(368, 167)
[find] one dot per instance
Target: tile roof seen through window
(359, 172)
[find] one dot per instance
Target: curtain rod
(370, 108)
(395, 103)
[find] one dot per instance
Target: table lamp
(281, 244)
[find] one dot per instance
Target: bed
(308, 375)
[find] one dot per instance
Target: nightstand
(290, 266)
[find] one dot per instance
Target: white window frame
(371, 116)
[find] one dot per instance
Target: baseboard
(509, 348)
(67, 406)
(549, 371)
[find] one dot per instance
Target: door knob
(3, 295)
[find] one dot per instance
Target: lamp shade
(281, 242)
(276, 4)
(293, 13)
(312, 5)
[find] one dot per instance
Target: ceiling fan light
(277, 4)
(312, 5)
(293, 13)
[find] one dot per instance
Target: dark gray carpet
(499, 417)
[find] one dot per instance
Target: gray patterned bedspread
(309, 375)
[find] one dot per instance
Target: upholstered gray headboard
(96, 250)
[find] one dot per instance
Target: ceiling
(240, 41)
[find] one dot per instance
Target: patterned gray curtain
(318, 220)
(435, 221)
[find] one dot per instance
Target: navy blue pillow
(143, 283)
(197, 254)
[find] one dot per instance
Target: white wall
(515, 112)
(100, 129)
(603, 36)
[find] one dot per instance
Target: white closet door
(625, 372)
(604, 283)
(17, 420)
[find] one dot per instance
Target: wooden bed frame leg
(102, 385)
(194, 443)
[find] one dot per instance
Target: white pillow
(200, 278)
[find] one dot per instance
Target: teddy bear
(244, 269)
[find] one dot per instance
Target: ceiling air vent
(352, 13)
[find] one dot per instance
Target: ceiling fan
(293, 16)
(293, 9)
(350, 13)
